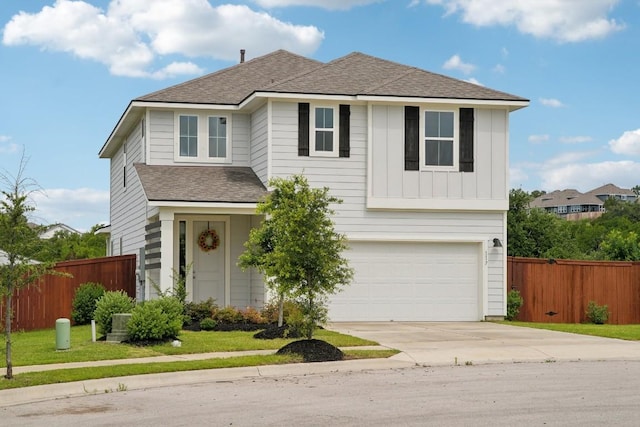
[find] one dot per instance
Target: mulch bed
(313, 350)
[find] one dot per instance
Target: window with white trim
(218, 137)
(324, 131)
(440, 145)
(202, 138)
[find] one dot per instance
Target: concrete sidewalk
(420, 343)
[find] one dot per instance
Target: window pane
(324, 118)
(324, 140)
(431, 152)
(217, 137)
(189, 136)
(446, 125)
(446, 153)
(431, 124)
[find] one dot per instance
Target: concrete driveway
(449, 343)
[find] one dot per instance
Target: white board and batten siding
(384, 238)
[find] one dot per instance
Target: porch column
(166, 251)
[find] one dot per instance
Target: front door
(208, 265)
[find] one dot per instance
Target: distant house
(573, 205)
(419, 159)
(51, 230)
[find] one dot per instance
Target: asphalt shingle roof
(232, 85)
(353, 74)
(222, 184)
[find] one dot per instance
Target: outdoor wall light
(497, 243)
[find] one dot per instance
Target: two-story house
(419, 159)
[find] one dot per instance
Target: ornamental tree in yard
(19, 242)
(297, 249)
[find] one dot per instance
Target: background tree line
(540, 234)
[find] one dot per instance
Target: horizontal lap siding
(128, 213)
(240, 139)
(346, 178)
(259, 139)
(161, 136)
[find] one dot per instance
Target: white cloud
(628, 143)
(79, 208)
(474, 81)
(561, 20)
(517, 177)
(536, 139)
(325, 4)
(505, 52)
(500, 69)
(586, 176)
(551, 102)
(131, 35)
(574, 139)
(456, 63)
(7, 147)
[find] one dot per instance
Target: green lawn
(38, 348)
(623, 332)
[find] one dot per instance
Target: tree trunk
(281, 310)
(7, 332)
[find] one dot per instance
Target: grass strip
(623, 332)
(30, 379)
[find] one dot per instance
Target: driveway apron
(449, 343)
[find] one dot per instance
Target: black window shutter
(411, 138)
(303, 129)
(345, 126)
(466, 140)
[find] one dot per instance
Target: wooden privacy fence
(558, 291)
(38, 307)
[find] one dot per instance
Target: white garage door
(410, 282)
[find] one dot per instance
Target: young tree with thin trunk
(297, 248)
(18, 241)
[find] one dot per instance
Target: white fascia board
(206, 207)
(511, 105)
(115, 132)
(310, 96)
(184, 105)
(437, 204)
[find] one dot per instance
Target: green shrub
(514, 302)
(208, 324)
(110, 303)
(154, 320)
(196, 311)
(84, 302)
(598, 314)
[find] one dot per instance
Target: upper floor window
(189, 136)
(202, 138)
(324, 131)
(442, 140)
(218, 137)
(439, 138)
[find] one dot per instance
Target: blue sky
(69, 69)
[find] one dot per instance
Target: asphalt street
(542, 393)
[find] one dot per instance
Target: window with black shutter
(303, 129)
(411, 138)
(345, 128)
(466, 140)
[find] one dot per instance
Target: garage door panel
(410, 281)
